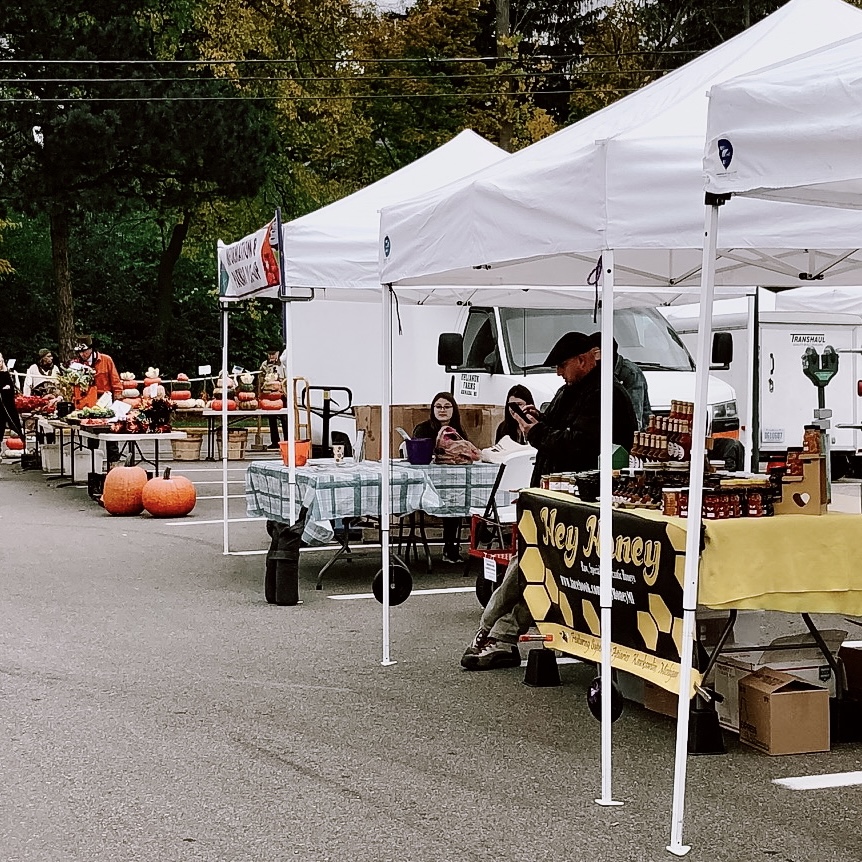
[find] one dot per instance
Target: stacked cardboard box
(479, 421)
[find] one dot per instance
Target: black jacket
(567, 436)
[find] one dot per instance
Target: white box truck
(776, 399)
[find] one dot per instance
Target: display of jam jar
(811, 440)
(794, 461)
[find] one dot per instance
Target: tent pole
(693, 522)
(606, 516)
(287, 333)
(385, 464)
(224, 431)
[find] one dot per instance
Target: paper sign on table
(105, 401)
(120, 409)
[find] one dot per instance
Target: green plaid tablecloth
(459, 487)
(330, 492)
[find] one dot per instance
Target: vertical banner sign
(248, 265)
(559, 554)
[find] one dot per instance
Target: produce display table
(129, 442)
(213, 418)
(793, 563)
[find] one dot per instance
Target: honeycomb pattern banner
(559, 557)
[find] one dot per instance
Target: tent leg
(693, 525)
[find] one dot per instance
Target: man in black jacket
(566, 438)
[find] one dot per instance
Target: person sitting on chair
(444, 411)
(520, 395)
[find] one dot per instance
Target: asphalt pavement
(153, 707)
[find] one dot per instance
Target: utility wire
(356, 97)
(363, 78)
(337, 60)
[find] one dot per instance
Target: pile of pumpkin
(271, 393)
(128, 491)
(181, 391)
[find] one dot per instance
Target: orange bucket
(302, 448)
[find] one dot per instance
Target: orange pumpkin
(216, 404)
(122, 494)
(169, 497)
(14, 444)
(181, 394)
(245, 396)
(267, 403)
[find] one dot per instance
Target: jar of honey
(811, 440)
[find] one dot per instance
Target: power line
(340, 60)
(350, 96)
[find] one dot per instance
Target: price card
(204, 370)
(489, 569)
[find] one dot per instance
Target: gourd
(182, 390)
(169, 497)
(122, 494)
(14, 444)
(216, 404)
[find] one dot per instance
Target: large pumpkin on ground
(122, 494)
(169, 496)
(14, 444)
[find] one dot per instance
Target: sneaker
(451, 555)
(478, 642)
(493, 654)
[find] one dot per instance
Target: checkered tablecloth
(459, 487)
(330, 493)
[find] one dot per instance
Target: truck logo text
(469, 386)
(806, 338)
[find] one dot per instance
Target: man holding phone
(566, 439)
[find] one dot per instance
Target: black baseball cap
(571, 344)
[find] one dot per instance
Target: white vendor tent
(334, 248)
(791, 132)
(618, 194)
(786, 133)
(331, 253)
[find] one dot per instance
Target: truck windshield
(642, 334)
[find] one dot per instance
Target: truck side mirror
(722, 350)
(450, 350)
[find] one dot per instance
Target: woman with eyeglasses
(444, 411)
(509, 427)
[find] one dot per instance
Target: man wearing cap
(42, 375)
(107, 379)
(566, 439)
(273, 365)
(629, 375)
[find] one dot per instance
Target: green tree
(103, 123)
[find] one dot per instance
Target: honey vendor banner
(559, 556)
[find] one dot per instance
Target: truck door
(481, 356)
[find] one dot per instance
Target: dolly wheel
(400, 584)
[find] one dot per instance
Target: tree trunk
(507, 126)
(165, 287)
(63, 282)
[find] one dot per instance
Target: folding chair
(493, 531)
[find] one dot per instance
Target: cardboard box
(795, 654)
(480, 422)
(782, 714)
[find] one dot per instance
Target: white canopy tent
(625, 184)
(788, 133)
(331, 253)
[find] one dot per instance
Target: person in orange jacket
(107, 379)
(107, 376)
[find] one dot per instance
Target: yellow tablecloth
(792, 563)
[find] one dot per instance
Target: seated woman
(444, 411)
(509, 427)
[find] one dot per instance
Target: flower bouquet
(75, 382)
(157, 414)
